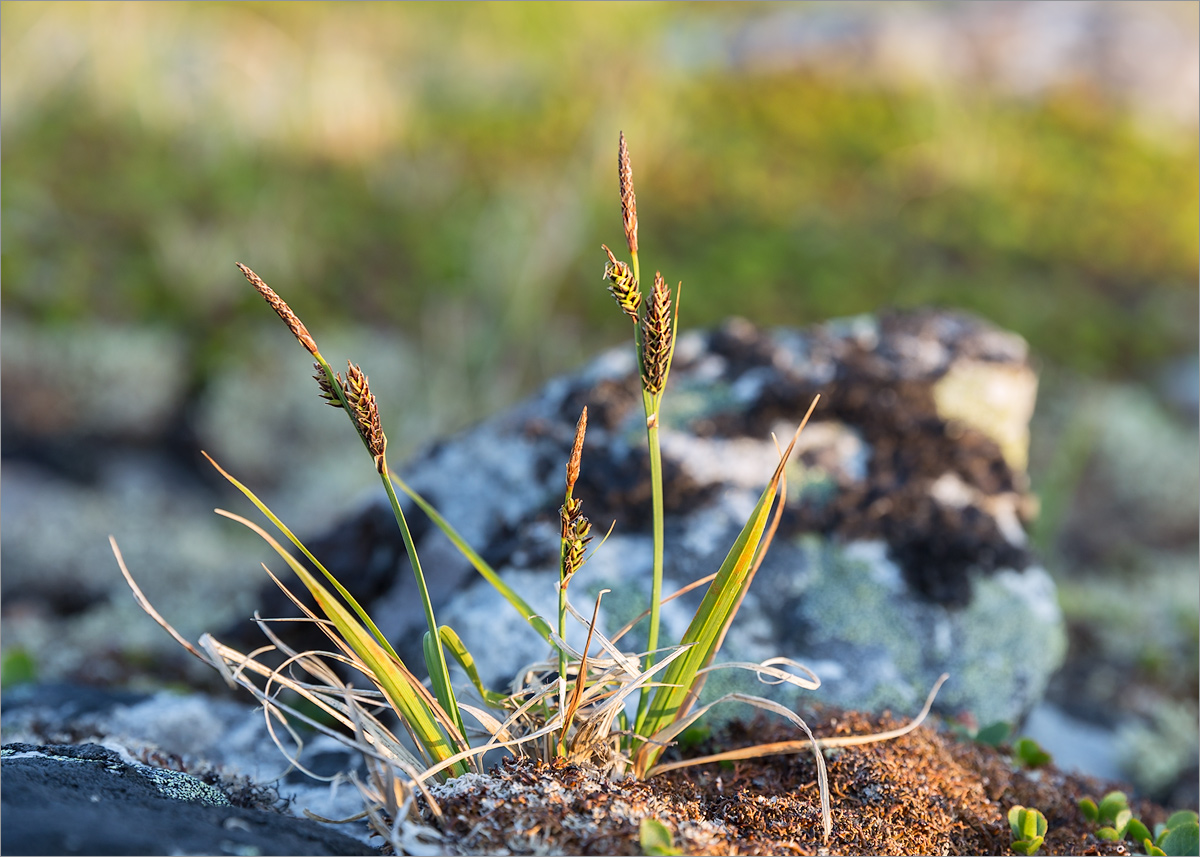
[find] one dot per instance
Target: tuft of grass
(573, 704)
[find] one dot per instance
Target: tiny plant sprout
(994, 734)
(656, 839)
(1115, 815)
(1028, 829)
(1029, 754)
(1180, 834)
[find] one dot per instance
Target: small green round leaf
(1107, 833)
(1014, 819)
(1121, 822)
(1089, 809)
(1184, 816)
(1111, 804)
(1041, 824)
(1182, 840)
(1032, 824)
(1030, 754)
(1136, 831)
(994, 734)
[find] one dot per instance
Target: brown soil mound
(925, 793)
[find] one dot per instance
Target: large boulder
(902, 553)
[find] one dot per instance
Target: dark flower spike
(657, 338)
(576, 533)
(366, 413)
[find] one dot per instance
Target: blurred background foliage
(448, 172)
(429, 184)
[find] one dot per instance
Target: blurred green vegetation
(449, 171)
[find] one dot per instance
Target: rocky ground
(929, 792)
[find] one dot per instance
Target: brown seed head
(628, 199)
(576, 451)
(295, 325)
(657, 333)
(624, 287)
(366, 412)
(327, 393)
(576, 533)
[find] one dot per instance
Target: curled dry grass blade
(757, 751)
(239, 669)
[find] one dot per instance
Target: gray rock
(902, 553)
(154, 751)
(85, 799)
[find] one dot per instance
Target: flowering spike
(327, 392)
(628, 199)
(366, 413)
(576, 533)
(576, 451)
(295, 325)
(624, 287)
(657, 336)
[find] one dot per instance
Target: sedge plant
(574, 704)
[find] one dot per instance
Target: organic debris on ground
(925, 793)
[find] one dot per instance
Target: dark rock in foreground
(84, 799)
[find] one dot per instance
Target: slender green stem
(652, 404)
(656, 487)
(441, 681)
(562, 596)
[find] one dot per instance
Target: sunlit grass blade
(458, 650)
(341, 590)
(712, 618)
(386, 669)
(706, 625)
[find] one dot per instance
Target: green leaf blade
(710, 621)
